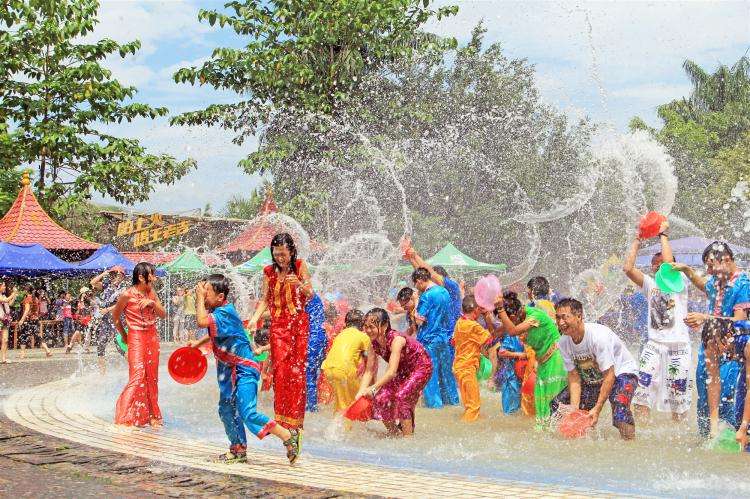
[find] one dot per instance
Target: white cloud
(217, 177)
(654, 92)
(149, 21)
(152, 23)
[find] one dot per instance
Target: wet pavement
(33, 464)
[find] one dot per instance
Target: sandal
(293, 445)
(230, 457)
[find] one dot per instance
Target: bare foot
(156, 423)
(49, 353)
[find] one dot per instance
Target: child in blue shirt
(238, 372)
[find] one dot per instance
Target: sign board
(150, 230)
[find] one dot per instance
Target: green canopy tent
(452, 259)
(188, 263)
(256, 263)
(260, 261)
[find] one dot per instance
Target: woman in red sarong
(138, 404)
(286, 289)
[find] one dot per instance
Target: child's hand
(499, 301)
(292, 279)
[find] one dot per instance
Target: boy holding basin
(238, 372)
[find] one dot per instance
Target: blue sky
(606, 60)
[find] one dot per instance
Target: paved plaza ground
(50, 448)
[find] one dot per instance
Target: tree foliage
(56, 100)
(707, 134)
(462, 129)
(305, 55)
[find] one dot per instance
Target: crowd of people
(545, 359)
(30, 316)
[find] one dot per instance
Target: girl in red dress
(286, 289)
(138, 404)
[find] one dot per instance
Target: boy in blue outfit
(238, 372)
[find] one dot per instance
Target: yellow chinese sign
(149, 230)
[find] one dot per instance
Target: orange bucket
(360, 410)
(575, 424)
(650, 225)
(187, 365)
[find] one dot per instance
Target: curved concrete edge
(39, 409)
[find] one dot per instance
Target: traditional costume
(138, 403)
(288, 336)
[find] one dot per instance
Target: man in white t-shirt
(664, 367)
(599, 366)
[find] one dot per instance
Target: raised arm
(9, 298)
(306, 285)
(698, 280)
(98, 278)
(158, 307)
(417, 262)
(666, 248)
(629, 267)
(201, 315)
(508, 326)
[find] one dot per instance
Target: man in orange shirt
(471, 340)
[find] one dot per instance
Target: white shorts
(664, 378)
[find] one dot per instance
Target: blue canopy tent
(32, 260)
(104, 258)
(688, 250)
(107, 257)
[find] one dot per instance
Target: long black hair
(511, 304)
(381, 317)
(143, 269)
(285, 239)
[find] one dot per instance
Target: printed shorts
(664, 377)
(619, 398)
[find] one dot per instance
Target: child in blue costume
(316, 349)
(238, 373)
(742, 407)
(507, 351)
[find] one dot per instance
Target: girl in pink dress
(395, 393)
(138, 404)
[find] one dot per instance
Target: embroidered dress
(288, 336)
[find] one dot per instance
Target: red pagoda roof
(27, 223)
(259, 234)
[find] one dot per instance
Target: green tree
(10, 183)
(304, 56)
(56, 101)
(707, 135)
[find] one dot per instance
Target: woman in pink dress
(138, 404)
(395, 393)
